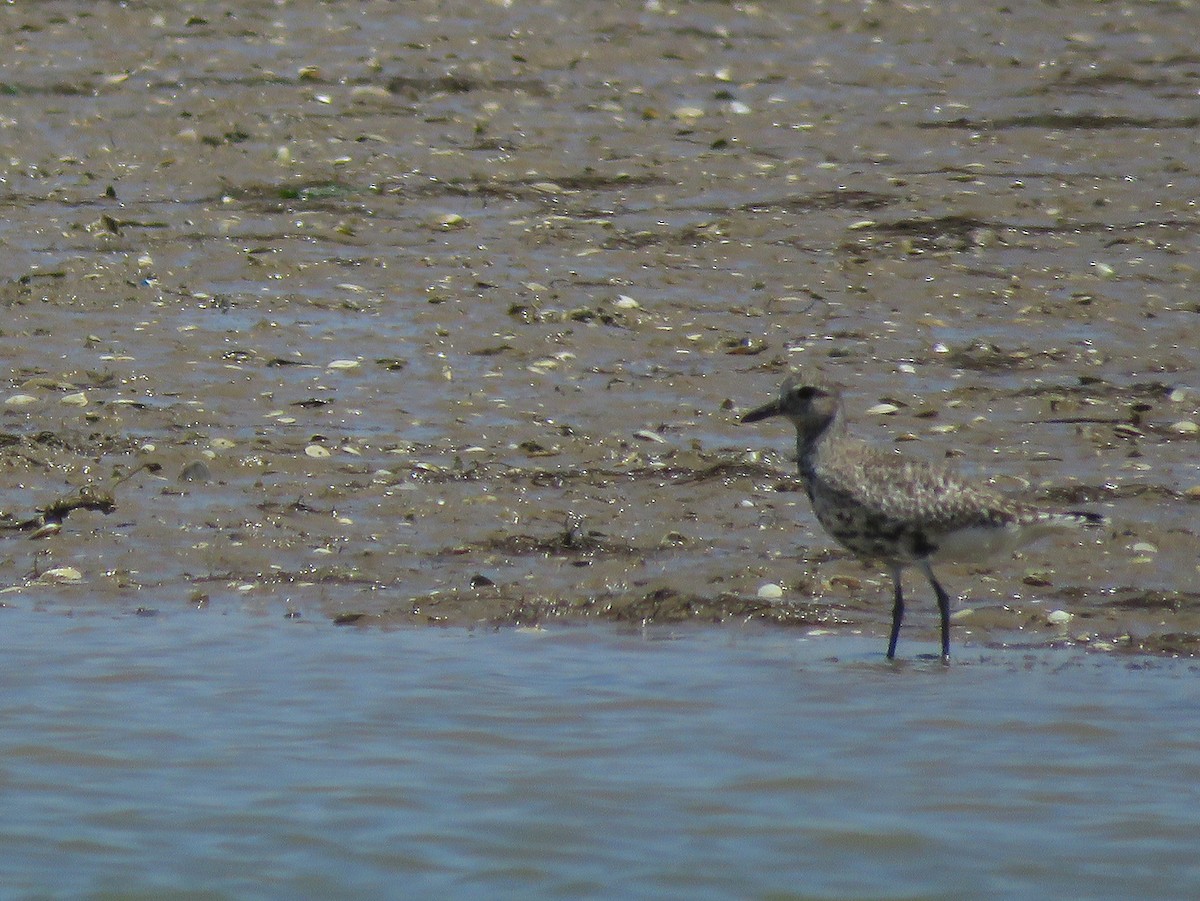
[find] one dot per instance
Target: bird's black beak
(766, 410)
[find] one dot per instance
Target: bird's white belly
(980, 542)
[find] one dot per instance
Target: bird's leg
(897, 614)
(943, 600)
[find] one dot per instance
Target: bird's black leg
(943, 600)
(897, 615)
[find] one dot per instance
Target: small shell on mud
(1059, 617)
(46, 530)
(1185, 427)
(883, 409)
(62, 574)
(647, 435)
(449, 221)
(222, 443)
(20, 400)
(770, 591)
(78, 399)
(343, 364)
(316, 451)
(196, 471)
(746, 347)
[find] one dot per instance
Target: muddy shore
(445, 313)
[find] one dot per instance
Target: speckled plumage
(898, 511)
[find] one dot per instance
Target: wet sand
(458, 304)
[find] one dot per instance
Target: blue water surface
(204, 754)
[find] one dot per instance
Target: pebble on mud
(20, 400)
(770, 591)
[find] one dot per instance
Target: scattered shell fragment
(196, 471)
(343, 364)
(746, 347)
(450, 221)
(62, 574)
(222, 443)
(315, 450)
(78, 399)
(647, 435)
(20, 400)
(46, 530)
(770, 591)
(884, 409)
(1059, 617)
(46, 383)
(1185, 427)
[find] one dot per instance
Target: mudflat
(445, 312)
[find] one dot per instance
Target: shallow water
(559, 247)
(203, 755)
